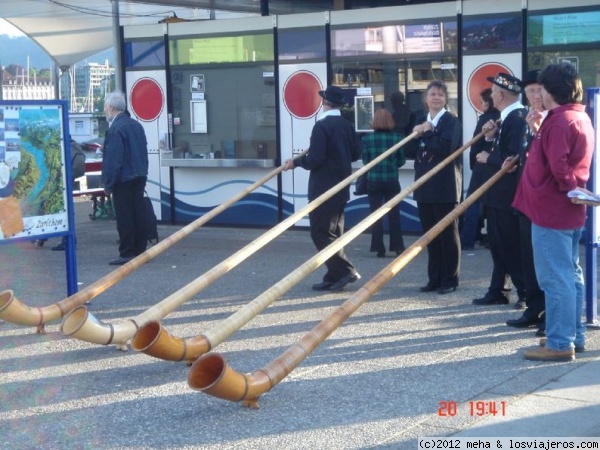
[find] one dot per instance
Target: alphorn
(152, 339)
(212, 375)
(81, 324)
(14, 311)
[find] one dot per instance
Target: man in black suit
(504, 141)
(533, 315)
(333, 148)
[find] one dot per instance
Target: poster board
(198, 116)
(364, 109)
(36, 192)
(35, 197)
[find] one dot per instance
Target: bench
(89, 185)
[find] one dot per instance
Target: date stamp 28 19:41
(477, 408)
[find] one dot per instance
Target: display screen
(567, 28)
(145, 54)
(395, 39)
(297, 45)
(492, 33)
(229, 49)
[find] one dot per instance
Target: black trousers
(443, 263)
(534, 295)
(326, 225)
(128, 202)
(379, 191)
(505, 246)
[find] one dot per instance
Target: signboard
(423, 38)
(33, 190)
(571, 28)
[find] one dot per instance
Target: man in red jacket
(559, 161)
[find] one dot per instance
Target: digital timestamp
(478, 408)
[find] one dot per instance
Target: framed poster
(363, 113)
(197, 83)
(35, 197)
(198, 116)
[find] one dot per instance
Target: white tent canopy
(72, 30)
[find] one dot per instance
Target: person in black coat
(440, 136)
(473, 215)
(503, 141)
(333, 147)
(402, 115)
(534, 296)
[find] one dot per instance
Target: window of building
(223, 97)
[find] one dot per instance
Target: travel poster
(33, 199)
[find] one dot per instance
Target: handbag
(150, 220)
(362, 184)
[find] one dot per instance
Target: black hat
(506, 81)
(531, 77)
(334, 94)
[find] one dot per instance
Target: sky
(7, 28)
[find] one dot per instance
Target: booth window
(376, 61)
(223, 97)
(500, 33)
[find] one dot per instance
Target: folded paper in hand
(583, 194)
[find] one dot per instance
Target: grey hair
(116, 100)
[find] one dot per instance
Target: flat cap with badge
(506, 81)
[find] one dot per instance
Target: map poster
(33, 188)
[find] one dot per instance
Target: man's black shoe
(119, 261)
(491, 299)
(446, 290)
(523, 322)
(346, 279)
(428, 288)
(323, 286)
(58, 247)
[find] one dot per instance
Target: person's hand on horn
(423, 128)
(289, 164)
(490, 128)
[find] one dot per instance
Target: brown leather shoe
(578, 349)
(545, 354)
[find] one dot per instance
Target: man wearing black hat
(333, 148)
(504, 141)
(533, 315)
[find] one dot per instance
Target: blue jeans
(556, 259)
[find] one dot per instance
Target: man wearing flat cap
(333, 148)
(534, 296)
(503, 141)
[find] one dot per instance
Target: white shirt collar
(434, 121)
(510, 108)
(331, 112)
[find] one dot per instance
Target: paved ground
(377, 382)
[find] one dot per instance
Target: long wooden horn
(14, 311)
(154, 340)
(212, 375)
(80, 324)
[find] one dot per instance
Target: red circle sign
(478, 81)
(301, 94)
(146, 99)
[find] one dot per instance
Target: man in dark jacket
(503, 141)
(124, 173)
(333, 147)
